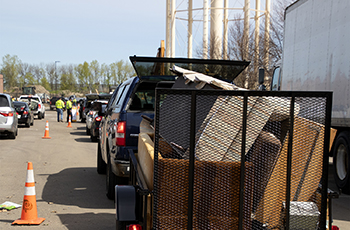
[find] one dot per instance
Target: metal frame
(137, 177)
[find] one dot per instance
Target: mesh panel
(202, 179)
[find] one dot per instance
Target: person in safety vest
(59, 108)
(69, 108)
(74, 101)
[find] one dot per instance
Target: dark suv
(119, 128)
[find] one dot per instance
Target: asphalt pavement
(69, 192)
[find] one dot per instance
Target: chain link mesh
(210, 184)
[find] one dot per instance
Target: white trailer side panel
(316, 53)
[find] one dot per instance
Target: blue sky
(74, 31)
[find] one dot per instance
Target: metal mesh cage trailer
(240, 159)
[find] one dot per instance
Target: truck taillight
(134, 227)
(120, 133)
(98, 118)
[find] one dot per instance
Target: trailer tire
(101, 165)
(121, 225)
(341, 162)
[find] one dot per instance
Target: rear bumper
(7, 128)
(121, 168)
(23, 120)
(120, 158)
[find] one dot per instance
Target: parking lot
(69, 192)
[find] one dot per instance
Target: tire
(101, 165)
(28, 124)
(39, 116)
(87, 131)
(93, 138)
(111, 182)
(121, 225)
(43, 115)
(341, 162)
(12, 135)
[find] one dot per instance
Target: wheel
(111, 182)
(121, 225)
(12, 135)
(87, 131)
(28, 124)
(101, 165)
(93, 138)
(39, 115)
(341, 162)
(43, 116)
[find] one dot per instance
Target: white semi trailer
(316, 57)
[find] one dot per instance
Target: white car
(35, 104)
(8, 117)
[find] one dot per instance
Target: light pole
(56, 76)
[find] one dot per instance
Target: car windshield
(149, 68)
(3, 101)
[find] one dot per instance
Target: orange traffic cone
(46, 134)
(29, 209)
(69, 123)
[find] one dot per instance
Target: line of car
(13, 113)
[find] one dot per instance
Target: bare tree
(50, 70)
(275, 46)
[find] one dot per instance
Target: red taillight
(98, 118)
(7, 114)
(134, 227)
(91, 113)
(39, 106)
(120, 133)
(25, 112)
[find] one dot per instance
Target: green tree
(83, 73)
(106, 75)
(67, 80)
(29, 79)
(120, 71)
(95, 73)
(9, 69)
(45, 83)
